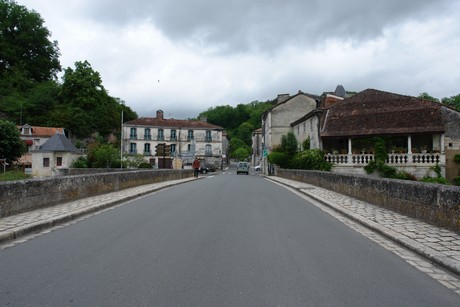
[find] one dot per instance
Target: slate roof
(171, 123)
(373, 112)
(58, 142)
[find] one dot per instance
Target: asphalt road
(224, 240)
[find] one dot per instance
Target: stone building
(185, 140)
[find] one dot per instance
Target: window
(160, 135)
(189, 147)
(173, 135)
(147, 135)
(173, 148)
(133, 133)
(208, 151)
(46, 162)
(208, 136)
(58, 161)
(26, 130)
(147, 149)
(132, 148)
(190, 135)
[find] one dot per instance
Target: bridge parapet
(433, 203)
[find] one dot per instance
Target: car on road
(204, 170)
(211, 167)
(257, 167)
(242, 167)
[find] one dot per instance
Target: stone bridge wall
(23, 195)
(434, 203)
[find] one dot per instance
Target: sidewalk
(438, 245)
(15, 226)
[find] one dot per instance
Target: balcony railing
(428, 159)
(133, 151)
(208, 153)
(147, 153)
(148, 137)
(133, 136)
(208, 139)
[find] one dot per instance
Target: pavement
(438, 245)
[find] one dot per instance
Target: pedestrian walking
(196, 167)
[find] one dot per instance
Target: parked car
(257, 167)
(211, 167)
(204, 170)
(242, 167)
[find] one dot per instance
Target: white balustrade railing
(393, 159)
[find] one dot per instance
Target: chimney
(159, 114)
(282, 97)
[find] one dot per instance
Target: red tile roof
(171, 123)
(43, 131)
(373, 112)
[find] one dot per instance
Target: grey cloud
(258, 25)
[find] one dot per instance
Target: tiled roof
(43, 131)
(171, 123)
(373, 112)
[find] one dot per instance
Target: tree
(427, 96)
(453, 101)
(289, 144)
(245, 131)
(25, 44)
(87, 106)
(240, 153)
(105, 156)
(11, 145)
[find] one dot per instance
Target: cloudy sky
(185, 56)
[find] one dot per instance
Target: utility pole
(121, 142)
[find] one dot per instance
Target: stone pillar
(442, 143)
(409, 144)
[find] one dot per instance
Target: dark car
(204, 170)
(211, 167)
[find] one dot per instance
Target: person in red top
(196, 167)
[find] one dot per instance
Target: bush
(457, 158)
(145, 165)
(457, 180)
(81, 162)
(279, 158)
(310, 160)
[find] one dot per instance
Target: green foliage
(240, 154)
(145, 165)
(311, 159)
(135, 161)
(81, 162)
(457, 180)
(11, 146)
(438, 179)
(13, 175)
(279, 158)
(306, 144)
(379, 163)
(427, 96)
(235, 145)
(457, 158)
(239, 122)
(102, 155)
(289, 144)
(25, 48)
(453, 102)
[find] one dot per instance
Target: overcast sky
(185, 56)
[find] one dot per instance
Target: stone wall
(23, 195)
(434, 203)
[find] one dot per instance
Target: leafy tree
(25, 46)
(427, 96)
(81, 162)
(279, 158)
(236, 143)
(105, 156)
(289, 144)
(240, 153)
(245, 131)
(453, 101)
(11, 145)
